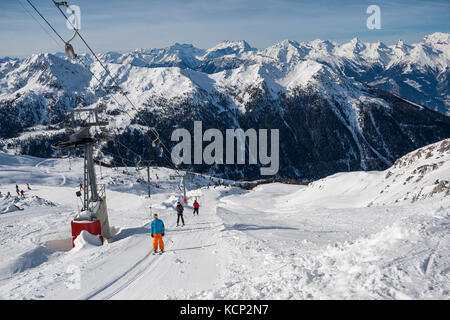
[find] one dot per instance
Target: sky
(119, 25)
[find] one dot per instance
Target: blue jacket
(157, 227)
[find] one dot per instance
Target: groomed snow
(337, 238)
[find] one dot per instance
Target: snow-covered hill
(312, 92)
(338, 238)
(421, 174)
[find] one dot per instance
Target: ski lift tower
(186, 176)
(183, 177)
(94, 196)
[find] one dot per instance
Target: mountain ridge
(335, 121)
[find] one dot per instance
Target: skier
(22, 194)
(28, 186)
(157, 230)
(196, 206)
(180, 210)
(17, 190)
(81, 186)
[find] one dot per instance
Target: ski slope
(337, 238)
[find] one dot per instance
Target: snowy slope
(276, 241)
(421, 174)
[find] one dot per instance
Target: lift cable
(114, 80)
(107, 71)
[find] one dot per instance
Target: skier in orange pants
(157, 231)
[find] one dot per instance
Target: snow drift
(85, 240)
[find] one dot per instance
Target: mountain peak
(439, 41)
(356, 42)
(229, 47)
(283, 51)
(241, 44)
(323, 45)
(38, 58)
(354, 45)
(287, 42)
(438, 38)
(182, 46)
(400, 44)
(351, 48)
(321, 41)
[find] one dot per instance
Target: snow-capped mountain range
(419, 72)
(339, 107)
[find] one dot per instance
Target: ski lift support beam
(183, 176)
(83, 139)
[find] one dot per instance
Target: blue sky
(120, 25)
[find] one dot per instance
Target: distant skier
(157, 230)
(22, 194)
(81, 186)
(17, 190)
(8, 195)
(28, 187)
(180, 210)
(196, 207)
